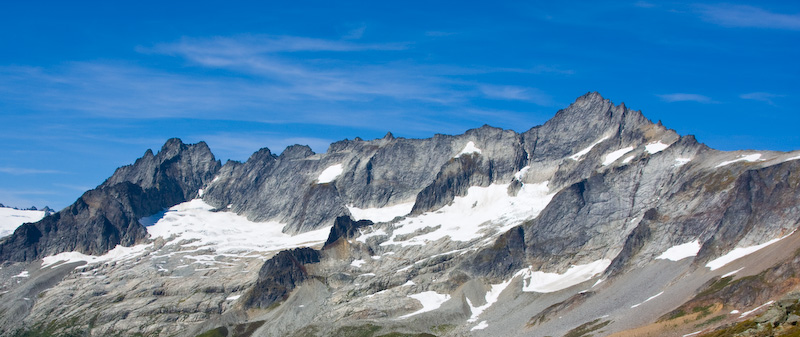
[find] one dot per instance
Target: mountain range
(598, 222)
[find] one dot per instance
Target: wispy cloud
(644, 4)
(272, 79)
(436, 33)
(729, 15)
(25, 171)
(510, 92)
(355, 33)
(681, 97)
(761, 96)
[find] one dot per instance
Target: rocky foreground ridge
(596, 222)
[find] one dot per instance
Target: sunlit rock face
(598, 220)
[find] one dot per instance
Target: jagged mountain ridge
(598, 185)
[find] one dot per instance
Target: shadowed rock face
(344, 227)
(279, 276)
(109, 214)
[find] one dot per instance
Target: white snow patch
(647, 300)
(748, 158)
(11, 218)
(357, 263)
(519, 175)
(542, 282)
(408, 283)
(482, 325)
(693, 333)
(737, 253)
(233, 298)
(226, 232)
(118, 254)
(744, 314)
(734, 312)
(381, 214)
(681, 161)
(200, 193)
(367, 274)
(656, 147)
(469, 148)
(491, 297)
(732, 273)
(792, 158)
(430, 301)
(613, 156)
(24, 273)
(628, 160)
(681, 252)
(330, 173)
(578, 155)
(482, 209)
(598, 282)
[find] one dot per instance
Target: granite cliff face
(597, 221)
(109, 215)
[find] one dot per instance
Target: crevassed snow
(542, 282)
(11, 218)
(655, 147)
(581, 153)
(358, 263)
(748, 158)
(491, 297)
(381, 214)
(430, 301)
(737, 253)
(482, 325)
(680, 252)
(613, 156)
(681, 161)
(227, 232)
(469, 148)
(468, 216)
(118, 254)
(330, 173)
(647, 300)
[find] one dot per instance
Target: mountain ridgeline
(595, 213)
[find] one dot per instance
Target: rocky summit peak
(488, 233)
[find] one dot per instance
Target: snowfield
(192, 225)
(381, 214)
(471, 216)
(680, 252)
(430, 301)
(329, 174)
(542, 282)
(579, 155)
(469, 149)
(11, 218)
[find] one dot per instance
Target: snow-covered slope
(598, 220)
(11, 218)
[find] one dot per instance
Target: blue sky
(87, 88)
